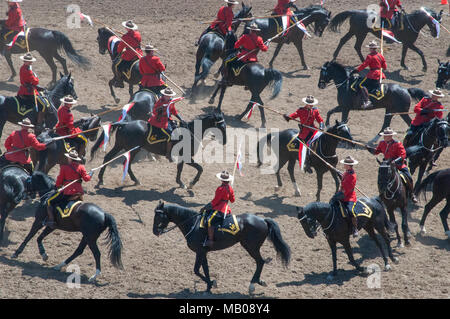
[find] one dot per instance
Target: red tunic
(168, 109)
(250, 42)
(150, 68)
(307, 117)
(375, 61)
(27, 78)
(386, 12)
(18, 140)
(71, 172)
(133, 38)
(15, 19)
(65, 123)
(282, 8)
(427, 103)
(224, 20)
(348, 184)
(392, 150)
(224, 193)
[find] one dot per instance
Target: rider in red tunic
(248, 43)
(283, 8)
(15, 22)
(65, 125)
(372, 83)
(389, 12)
(224, 20)
(346, 193)
(395, 151)
(218, 208)
(125, 60)
(151, 69)
(68, 173)
(162, 117)
(21, 139)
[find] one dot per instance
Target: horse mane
(179, 208)
(310, 9)
(430, 11)
(316, 206)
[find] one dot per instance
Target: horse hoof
(424, 69)
(387, 267)
(400, 245)
(405, 67)
(137, 183)
(277, 188)
(15, 256)
(211, 101)
(262, 283)
(214, 283)
(10, 79)
(117, 100)
(297, 194)
(408, 244)
(268, 260)
(60, 266)
(448, 234)
(251, 289)
(94, 277)
(305, 67)
(395, 260)
(44, 257)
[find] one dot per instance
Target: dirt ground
(162, 267)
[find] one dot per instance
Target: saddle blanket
(229, 224)
(20, 39)
(376, 94)
(66, 211)
(359, 209)
(157, 135)
(25, 108)
(235, 65)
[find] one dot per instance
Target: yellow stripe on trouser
(211, 218)
(52, 198)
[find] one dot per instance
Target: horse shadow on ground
(189, 294)
(290, 75)
(315, 279)
(397, 77)
(10, 87)
(439, 243)
(275, 204)
(133, 196)
(24, 211)
(34, 269)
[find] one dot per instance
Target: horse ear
(329, 14)
(70, 74)
(61, 75)
(439, 61)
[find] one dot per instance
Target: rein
(388, 189)
(164, 231)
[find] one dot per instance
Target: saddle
(233, 65)
(376, 93)
(67, 209)
(294, 145)
(19, 39)
(229, 225)
(124, 68)
(27, 105)
(359, 209)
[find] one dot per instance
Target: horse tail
(64, 43)
(423, 186)
(275, 79)
(281, 246)
(417, 93)
(340, 18)
(448, 51)
(114, 241)
(262, 141)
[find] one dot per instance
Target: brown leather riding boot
(365, 100)
(410, 186)
(210, 241)
(355, 227)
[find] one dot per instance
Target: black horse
(422, 147)
(313, 14)
(54, 153)
(396, 98)
(440, 181)
(87, 218)
(254, 77)
(412, 24)
(251, 233)
(443, 74)
(325, 146)
(394, 195)
(143, 102)
(211, 48)
(17, 184)
(338, 230)
(49, 44)
(11, 112)
(136, 133)
(107, 41)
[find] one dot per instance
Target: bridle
(164, 231)
(395, 179)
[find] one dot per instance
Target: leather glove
(425, 112)
(338, 196)
(354, 71)
(91, 173)
(287, 117)
(370, 149)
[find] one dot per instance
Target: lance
(96, 168)
(331, 166)
(402, 113)
(245, 19)
(140, 56)
(232, 181)
(317, 129)
(275, 36)
(381, 44)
